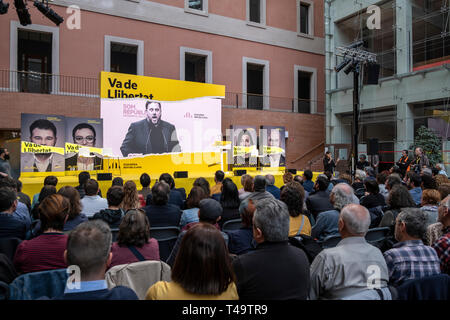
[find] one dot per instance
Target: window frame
(208, 64)
(313, 87)
(262, 23)
(310, 4)
(266, 80)
(203, 12)
(125, 41)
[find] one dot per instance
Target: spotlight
(342, 65)
(3, 7)
(22, 12)
(351, 67)
(49, 13)
(356, 44)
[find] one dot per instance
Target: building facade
(412, 45)
(268, 53)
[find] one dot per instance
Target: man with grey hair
(327, 221)
(271, 187)
(354, 269)
(410, 258)
(275, 269)
(89, 250)
(260, 192)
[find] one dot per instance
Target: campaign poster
(134, 127)
(272, 146)
(42, 143)
(84, 133)
(244, 146)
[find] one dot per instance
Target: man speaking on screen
(151, 135)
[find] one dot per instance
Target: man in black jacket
(319, 201)
(150, 135)
(275, 270)
(160, 213)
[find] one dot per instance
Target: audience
(114, 213)
(117, 181)
(218, 178)
(413, 182)
(292, 195)
(46, 191)
(270, 186)
(440, 179)
(190, 214)
(381, 180)
(229, 200)
(410, 258)
(307, 180)
(319, 201)
(373, 197)
(202, 183)
(392, 180)
(92, 202)
(442, 245)
(241, 240)
(441, 169)
(444, 190)
(10, 226)
(83, 177)
(145, 183)
(131, 196)
(175, 196)
(360, 175)
(287, 177)
(160, 212)
(247, 182)
(275, 269)
(75, 215)
(327, 221)
(48, 181)
(202, 269)
(22, 197)
(428, 182)
(344, 272)
(46, 251)
(429, 205)
(89, 248)
(133, 241)
(260, 192)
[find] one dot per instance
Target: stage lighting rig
(3, 7)
(22, 12)
(48, 12)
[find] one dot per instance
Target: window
(305, 17)
(305, 93)
(124, 55)
(256, 12)
(195, 65)
(255, 83)
(196, 6)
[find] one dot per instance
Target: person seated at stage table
(114, 213)
(260, 192)
(134, 234)
(271, 187)
(46, 252)
(175, 196)
(146, 190)
(202, 269)
(75, 215)
(10, 227)
(241, 240)
(190, 214)
(92, 202)
(229, 200)
(48, 181)
(218, 178)
(292, 195)
(319, 201)
(247, 182)
(160, 212)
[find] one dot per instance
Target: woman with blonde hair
(131, 197)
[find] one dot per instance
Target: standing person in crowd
(292, 195)
(275, 269)
(92, 202)
(48, 181)
(308, 185)
(442, 245)
(270, 186)
(190, 214)
(145, 191)
(410, 258)
(114, 213)
(202, 269)
(328, 162)
(75, 215)
(23, 197)
(133, 241)
(429, 205)
(5, 167)
(247, 182)
(319, 201)
(160, 212)
(342, 272)
(362, 162)
(420, 161)
(46, 252)
(404, 163)
(89, 248)
(229, 200)
(83, 176)
(241, 240)
(10, 227)
(218, 178)
(131, 196)
(413, 182)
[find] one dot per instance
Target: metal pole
(355, 116)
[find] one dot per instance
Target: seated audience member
(241, 190)
(190, 214)
(89, 248)
(444, 190)
(22, 197)
(343, 178)
(229, 200)
(130, 196)
(441, 169)
(218, 178)
(114, 213)
(370, 173)
(373, 197)
(319, 201)
(292, 195)
(117, 181)
(92, 202)
(271, 187)
(175, 196)
(75, 215)
(133, 241)
(182, 191)
(10, 226)
(287, 177)
(202, 269)
(428, 182)
(247, 182)
(21, 211)
(275, 269)
(46, 251)
(342, 272)
(210, 211)
(160, 213)
(429, 205)
(434, 232)
(410, 258)
(440, 179)
(48, 181)
(202, 183)
(413, 182)
(359, 180)
(46, 191)
(145, 183)
(307, 181)
(381, 180)
(442, 245)
(241, 240)
(83, 176)
(327, 221)
(260, 192)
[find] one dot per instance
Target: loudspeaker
(372, 146)
(371, 73)
(104, 176)
(293, 171)
(180, 174)
(240, 172)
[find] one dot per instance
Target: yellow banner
(71, 147)
(30, 147)
(120, 86)
(238, 150)
(272, 150)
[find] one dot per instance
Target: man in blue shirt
(413, 183)
(21, 211)
(10, 227)
(308, 185)
(89, 252)
(271, 187)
